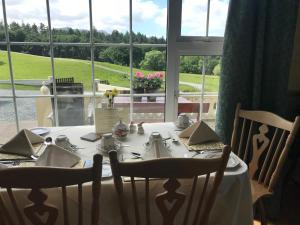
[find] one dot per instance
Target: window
(196, 41)
(90, 44)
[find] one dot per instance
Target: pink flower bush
(159, 75)
(150, 76)
(154, 81)
(147, 82)
(139, 74)
(138, 81)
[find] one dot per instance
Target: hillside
(26, 66)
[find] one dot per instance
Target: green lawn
(211, 82)
(27, 66)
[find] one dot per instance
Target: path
(194, 85)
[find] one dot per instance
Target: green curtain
(257, 50)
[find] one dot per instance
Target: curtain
(258, 45)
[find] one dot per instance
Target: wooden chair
(37, 178)
(197, 209)
(262, 139)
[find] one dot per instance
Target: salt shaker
(140, 128)
(132, 127)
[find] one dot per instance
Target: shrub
(154, 81)
(138, 81)
(147, 82)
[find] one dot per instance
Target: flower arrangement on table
(110, 94)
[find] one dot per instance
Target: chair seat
(258, 190)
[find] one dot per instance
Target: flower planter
(151, 91)
(138, 91)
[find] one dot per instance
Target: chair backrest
(196, 210)
(262, 139)
(36, 179)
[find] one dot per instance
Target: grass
(27, 66)
(187, 88)
(211, 82)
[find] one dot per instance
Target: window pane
(194, 14)
(75, 65)
(7, 120)
(149, 84)
(30, 70)
(72, 111)
(5, 82)
(27, 20)
(191, 77)
(112, 67)
(111, 20)
(70, 20)
(218, 17)
(33, 114)
(149, 21)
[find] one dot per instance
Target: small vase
(110, 103)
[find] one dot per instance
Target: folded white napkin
(21, 144)
(199, 133)
(56, 156)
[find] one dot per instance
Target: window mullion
(55, 112)
(172, 78)
(130, 60)
(202, 86)
(207, 17)
(92, 56)
(10, 65)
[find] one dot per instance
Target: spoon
(174, 140)
(47, 141)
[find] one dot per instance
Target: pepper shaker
(140, 128)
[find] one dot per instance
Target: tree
(211, 62)
(191, 64)
(154, 60)
(115, 55)
(217, 70)
(39, 33)
(2, 32)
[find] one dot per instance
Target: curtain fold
(258, 45)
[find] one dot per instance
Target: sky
(149, 16)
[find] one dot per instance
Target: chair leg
(262, 213)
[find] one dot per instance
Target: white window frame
(179, 45)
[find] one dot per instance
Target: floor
(290, 210)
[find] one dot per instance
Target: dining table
(233, 204)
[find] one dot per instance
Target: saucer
(40, 130)
(232, 163)
(116, 146)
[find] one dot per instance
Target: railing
(142, 110)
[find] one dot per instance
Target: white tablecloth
(233, 205)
